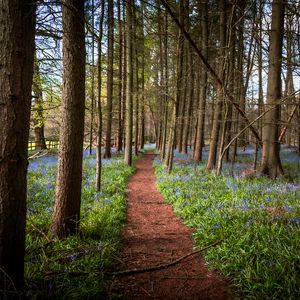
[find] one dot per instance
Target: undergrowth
(74, 267)
(257, 219)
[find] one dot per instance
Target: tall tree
(17, 20)
(120, 83)
(99, 131)
(202, 84)
(129, 89)
(92, 95)
(271, 164)
(38, 116)
(142, 127)
(110, 62)
(137, 80)
(68, 190)
(212, 155)
(179, 65)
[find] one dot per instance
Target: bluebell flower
(33, 165)
(107, 201)
(217, 226)
(294, 221)
(270, 262)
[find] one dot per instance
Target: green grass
(74, 268)
(258, 221)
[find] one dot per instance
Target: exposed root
(161, 266)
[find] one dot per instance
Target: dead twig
(38, 154)
(43, 234)
(73, 274)
(161, 266)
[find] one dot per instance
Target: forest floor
(153, 236)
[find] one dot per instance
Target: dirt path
(154, 235)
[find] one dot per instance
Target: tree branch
(214, 75)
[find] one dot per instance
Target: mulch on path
(154, 235)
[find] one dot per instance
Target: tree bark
(99, 132)
(129, 112)
(271, 164)
(17, 22)
(212, 155)
(69, 175)
(120, 102)
(38, 116)
(202, 84)
(142, 127)
(110, 61)
(92, 84)
(173, 125)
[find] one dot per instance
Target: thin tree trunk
(124, 79)
(110, 62)
(166, 83)
(172, 133)
(189, 104)
(38, 116)
(92, 85)
(241, 86)
(212, 155)
(203, 84)
(129, 113)
(99, 133)
(137, 87)
(142, 127)
(121, 41)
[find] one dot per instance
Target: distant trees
(229, 101)
(17, 19)
(68, 188)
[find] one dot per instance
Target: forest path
(154, 235)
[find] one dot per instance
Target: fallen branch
(43, 234)
(74, 274)
(161, 266)
(283, 131)
(36, 155)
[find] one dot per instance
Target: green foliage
(74, 267)
(257, 220)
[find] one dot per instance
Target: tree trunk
(166, 91)
(99, 133)
(189, 104)
(38, 117)
(92, 84)
(69, 175)
(129, 113)
(271, 164)
(241, 86)
(202, 84)
(212, 155)
(110, 62)
(173, 125)
(17, 21)
(142, 127)
(124, 78)
(120, 119)
(137, 86)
